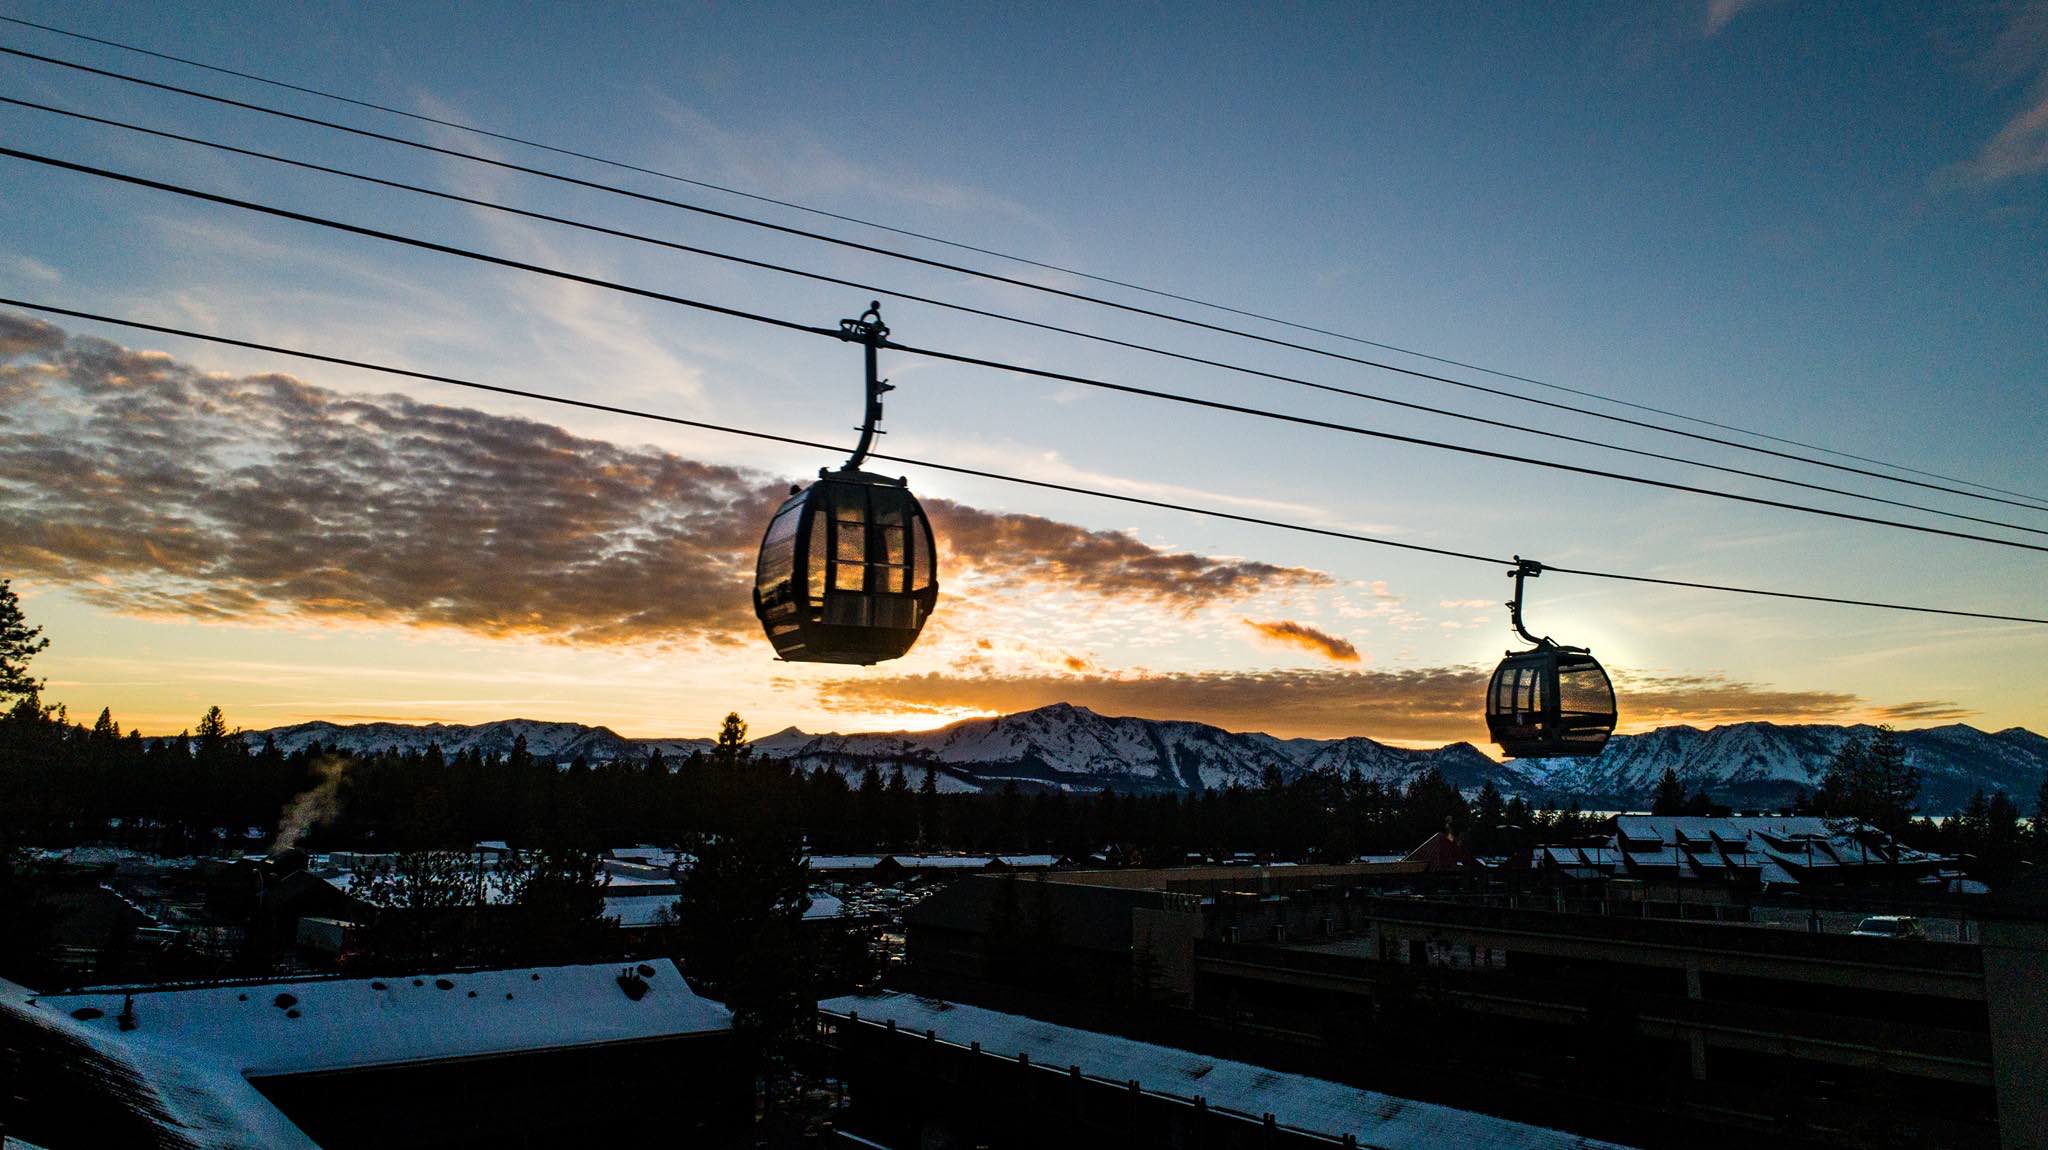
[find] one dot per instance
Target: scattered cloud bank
(152, 488)
(1439, 704)
(1032, 549)
(1290, 633)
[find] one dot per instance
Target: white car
(1889, 926)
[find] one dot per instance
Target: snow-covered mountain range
(1075, 748)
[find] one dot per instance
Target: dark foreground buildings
(557, 1056)
(1419, 980)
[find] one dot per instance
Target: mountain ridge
(1074, 748)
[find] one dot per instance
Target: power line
(994, 276)
(649, 293)
(980, 473)
(962, 246)
(877, 289)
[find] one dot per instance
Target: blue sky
(1825, 221)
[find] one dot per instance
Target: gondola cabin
(848, 571)
(1552, 701)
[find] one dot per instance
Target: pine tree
(212, 730)
(1973, 820)
(1489, 818)
(732, 749)
(1838, 783)
(2003, 846)
(556, 907)
(1874, 784)
(928, 830)
(19, 643)
(1009, 821)
(427, 903)
(738, 925)
(1894, 783)
(1670, 798)
(2037, 827)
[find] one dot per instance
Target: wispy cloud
(804, 167)
(1923, 711)
(1293, 634)
(1721, 12)
(2017, 59)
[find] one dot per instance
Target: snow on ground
(348, 1023)
(1295, 1100)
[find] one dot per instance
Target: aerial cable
(914, 297)
(979, 473)
(962, 246)
(976, 361)
(996, 277)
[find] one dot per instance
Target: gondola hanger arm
(871, 333)
(1524, 569)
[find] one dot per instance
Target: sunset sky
(1825, 222)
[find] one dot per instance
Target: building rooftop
(111, 1090)
(1295, 1100)
(333, 1024)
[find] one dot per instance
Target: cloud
(1721, 12)
(2018, 57)
(152, 488)
(1301, 635)
(1033, 549)
(24, 335)
(1432, 704)
(1923, 710)
(2019, 149)
(1705, 700)
(807, 167)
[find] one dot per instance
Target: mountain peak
(1058, 710)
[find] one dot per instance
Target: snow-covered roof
(1294, 1100)
(338, 1024)
(638, 910)
(1778, 849)
(845, 862)
(928, 862)
(1706, 828)
(205, 1103)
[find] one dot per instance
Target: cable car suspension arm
(871, 332)
(1524, 569)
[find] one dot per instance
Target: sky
(1823, 222)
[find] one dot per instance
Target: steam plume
(310, 808)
